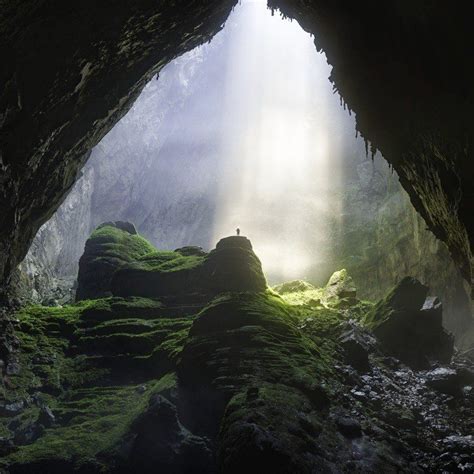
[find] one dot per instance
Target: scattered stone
(460, 444)
(444, 380)
(340, 290)
(6, 446)
(13, 367)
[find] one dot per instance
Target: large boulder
(231, 266)
(340, 290)
(408, 324)
(110, 246)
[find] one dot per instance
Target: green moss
(99, 419)
(165, 261)
(309, 295)
(244, 338)
(107, 249)
(118, 244)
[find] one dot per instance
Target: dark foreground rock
(409, 325)
(216, 374)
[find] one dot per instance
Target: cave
(236, 236)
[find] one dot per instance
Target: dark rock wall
(402, 68)
(380, 238)
(69, 73)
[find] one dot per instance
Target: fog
(244, 131)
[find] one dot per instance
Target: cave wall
(403, 68)
(380, 238)
(69, 72)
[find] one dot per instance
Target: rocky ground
(221, 374)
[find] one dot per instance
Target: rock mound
(231, 266)
(293, 286)
(191, 250)
(122, 225)
(409, 325)
(110, 246)
(234, 241)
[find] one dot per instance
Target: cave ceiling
(71, 70)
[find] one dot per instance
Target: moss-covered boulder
(231, 266)
(340, 290)
(409, 325)
(110, 246)
(249, 376)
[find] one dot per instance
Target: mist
(244, 132)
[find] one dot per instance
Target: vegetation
(165, 261)
(107, 249)
(230, 359)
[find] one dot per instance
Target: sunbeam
(281, 147)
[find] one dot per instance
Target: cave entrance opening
(246, 131)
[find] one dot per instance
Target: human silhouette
(238, 231)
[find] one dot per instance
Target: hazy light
(244, 131)
(281, 146)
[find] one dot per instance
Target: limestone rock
(231, 266)
(110, 246)
(340, 290)
(122, 225)
(293, 286)
(409, 325)
(356, 346)
(163, 444)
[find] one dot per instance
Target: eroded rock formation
(69, 74)
(402, 70)
(228, 382)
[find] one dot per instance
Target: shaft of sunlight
(280, 146)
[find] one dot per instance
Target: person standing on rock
(238, 231)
